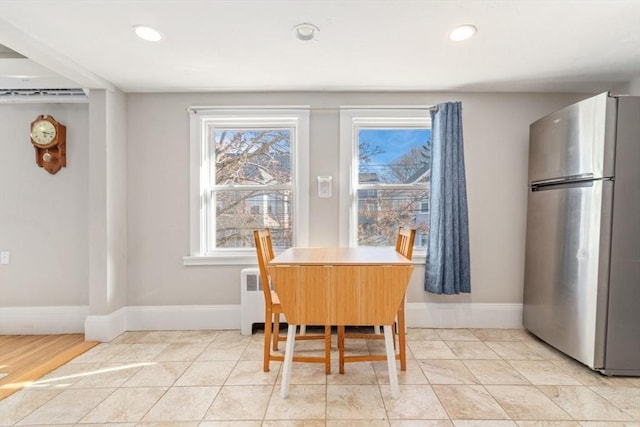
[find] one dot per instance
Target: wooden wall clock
(49, 138)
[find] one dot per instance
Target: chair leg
(341, 349)
(288, 359)
(267, 340)
(402, 339)
(276, 331)
(391, 362)
(327, 349)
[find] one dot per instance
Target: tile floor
(455, 377)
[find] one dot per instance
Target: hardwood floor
(25, 358)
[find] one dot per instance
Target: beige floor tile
(182, 404)
(582, 403)
(514, 350)
(293, 423)
(231, 424)
(469, 402)
(608, 424)
(356, 423)
(240, 403)
(65, 376)
(177, 351)
(354, 373)
(545, 350)
(430, 350)
(414, 402)
(67, 407)
(116, 384)
(157, 374)
(206, 373)
(526, 403)
(307, 373)
(625, 398)
(494, 372)
(499, 334)
(139, 353)
(413, 374)
(251, 373)
(447, 372)
(543, 373)
(253, 351)
(196, 336)
(354, 402)
(484, 423)
(456, 335)
(125, 405)
(22, 403)
(549, 424)
(422, 334)
(304, 402)
(476, 350)
(110, 374)
(420, 423)
(102, 353)
(588, 376)
(223, 348)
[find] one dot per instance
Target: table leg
(288, 360)
(391, 361)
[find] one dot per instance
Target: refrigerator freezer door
(577, 141)
(565, 274)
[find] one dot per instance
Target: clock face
(43, 132)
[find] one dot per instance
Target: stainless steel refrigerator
(582, 261)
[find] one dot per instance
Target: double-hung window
(248, 167)
(385, 162)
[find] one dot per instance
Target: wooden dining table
(355, 286)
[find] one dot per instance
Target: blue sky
(394, 142)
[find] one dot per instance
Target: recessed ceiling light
(305, 32)
(463, 32)
(147, 33)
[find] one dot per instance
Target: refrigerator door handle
(566, 182)
(563, 180)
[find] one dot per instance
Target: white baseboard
(76, 319)
(43, 320)
(183, 317)
(464, 315)
(106, 327)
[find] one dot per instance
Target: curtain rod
(194, 109)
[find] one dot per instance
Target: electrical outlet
(4, 258)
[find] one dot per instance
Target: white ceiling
(248, 45)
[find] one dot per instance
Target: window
(247, 166)
(385, 157)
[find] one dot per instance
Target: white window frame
(352, 119)
(202, 121)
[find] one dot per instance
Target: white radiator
(251, 300)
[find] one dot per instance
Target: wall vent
(43, 95)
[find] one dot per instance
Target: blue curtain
(447, 270)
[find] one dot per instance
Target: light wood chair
(404, 245)
(273, 309)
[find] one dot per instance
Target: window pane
(394, 156)
(252, 156)
(238, 213)
(381, 212)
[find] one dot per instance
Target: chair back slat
(264, 250)
(404, 243)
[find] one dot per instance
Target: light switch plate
(4, 257)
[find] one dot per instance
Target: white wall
(109, 231)
(496, 132)
(43, 217)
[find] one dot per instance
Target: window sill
(250, 259)
(223, 259)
